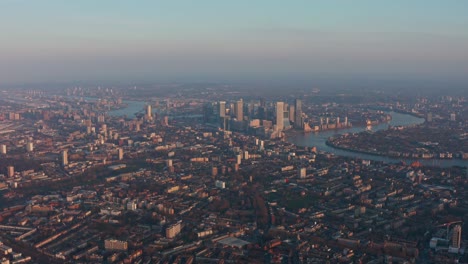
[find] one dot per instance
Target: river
(132, 108)
(318, 140)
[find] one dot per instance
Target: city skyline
(55, 41)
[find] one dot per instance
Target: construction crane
(448, 226)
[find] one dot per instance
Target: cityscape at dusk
(233, 131)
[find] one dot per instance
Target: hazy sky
(205, 40)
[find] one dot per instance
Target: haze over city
(329, 42)
(184, 132)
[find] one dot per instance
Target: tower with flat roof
(3, 149)
(149, 111)
(279, 116)
(298, 113)
(64, 156)
(239, 110)
(10, 171)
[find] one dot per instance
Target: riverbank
(318, 140)
(410, 156)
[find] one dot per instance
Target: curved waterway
(318, 140)
(132, 108)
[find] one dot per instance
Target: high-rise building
(222, 108)
(149, 111)
(279, 116)
(302, 173)
(30, 147)
(298, 114)
(173, 230)
(10, 171)
(262, 113)
(121, 153)
(292, 113)
(456, 236)
(238, 159)
(239, 110)
(3, 149)
(104, 128)
(64, 158)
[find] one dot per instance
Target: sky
(214, 40)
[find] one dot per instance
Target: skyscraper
(64, 158)
(149, 112)
(222, 108)
(292, 113)
(30, 147)
(3, 149)
(10, 171)
(120, 153)
(298, 114)
(239, 110)
(279, 116)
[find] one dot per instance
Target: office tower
(239, 110)
(10, 171)
(207, 112)
(279, 116)
(64, 158)
(222, 109)
(30, 147)
(250, 110)
(456, 236)
(3, 149)
(149, 112)
(292, 113)
(298, 114)
(121, 153)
